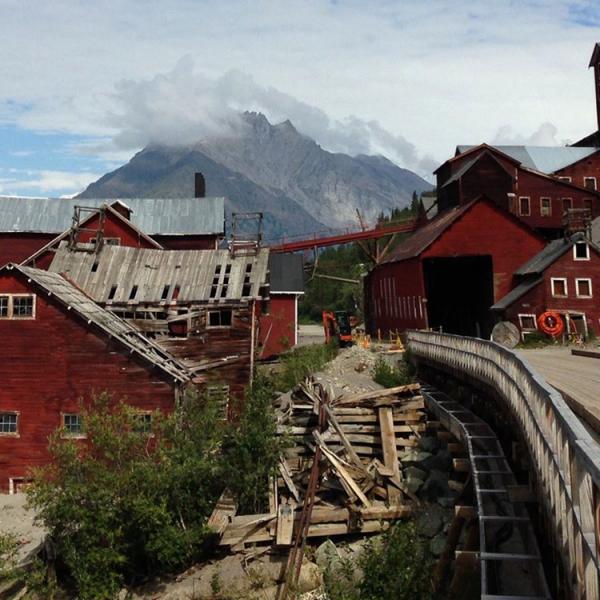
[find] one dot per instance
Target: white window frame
(11, 433)
(528, 213)
(10, 316)
(580, 279)
(564, 178)
(549, 213)
(554, 279)
(530, 316)
(585, 179)
(570, 203)
(587, 251)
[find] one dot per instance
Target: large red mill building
(497, 209)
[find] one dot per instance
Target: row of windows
(72, 423)
(17, 306)
(588, 182)
(545, 205)
(560, 287)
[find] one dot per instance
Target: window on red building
(524, 206)
(559, 287)
(567, 203)
(545, 207)
(583, 288)
(589, 183)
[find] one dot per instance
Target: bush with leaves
(303, 361)
(128, 503)
(252, 448)
(388, 376)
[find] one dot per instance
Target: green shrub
(127, 503)
(252, 448)
(9, 545)
(388, 376)
(303, 361)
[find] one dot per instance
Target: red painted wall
(536, 187)
(16, 247)
(488, 230)
(277, 330)
(394, 297)
(540, 298)
(51, 362)
(588, 167)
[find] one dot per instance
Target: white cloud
(183, 107)
(398, 75)
(45, 181)
(545, 135)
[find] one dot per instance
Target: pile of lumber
(341, 470)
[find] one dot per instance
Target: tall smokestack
(595, 62)
(199, 186)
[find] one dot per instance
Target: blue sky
(85, 85)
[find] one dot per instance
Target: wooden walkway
(576, 377)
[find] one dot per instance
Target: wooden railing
(565, 458)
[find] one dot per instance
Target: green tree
(130, 501)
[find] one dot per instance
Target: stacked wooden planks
(360, 487)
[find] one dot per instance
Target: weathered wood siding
(51, 363)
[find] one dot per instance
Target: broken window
(8, 422)
(589, 183)
(142, 422)
(219, 318)
(247, 287)
(545, 207)
(17, 306)
(113, 292)
(165, 292)
(581, 251)
(567, 204)
(95, 266)
(559, 286)
(583, 288)
(72, 424)
(524, 206)
(219, 395)
(133, 292)
(528, 322)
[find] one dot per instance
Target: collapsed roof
(123, 275)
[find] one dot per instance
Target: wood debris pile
(341, 474)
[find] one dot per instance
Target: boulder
(327, 555)
(430, 521)
(440, 461)
(437, 544)
(435, 486)
(414, 457)
(429, 444)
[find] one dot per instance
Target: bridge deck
(577, 377)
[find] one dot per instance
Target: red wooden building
(59, 349)
(537, 184)
(450, 272)
(278, 330)
(29, 224)
(563, 277)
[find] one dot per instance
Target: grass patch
(536, 339)
(301, 362)
(389, 376)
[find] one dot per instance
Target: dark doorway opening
(460, 292)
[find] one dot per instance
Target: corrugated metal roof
(516, 293)
(109, 323)
(286, 273)
(154, 216)
(422, 238)
(200, 275)
(547, 159)
(554, 250)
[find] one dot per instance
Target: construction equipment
(337, 324)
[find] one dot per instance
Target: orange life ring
(551, 323)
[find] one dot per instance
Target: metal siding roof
(112, 325)
(422, 238)
(544, 258)
(286, 273)
(546, 159)
(515, 294)
(154, 216)
(193, 271)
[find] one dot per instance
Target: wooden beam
(401, 389)
(390, 452)
(285, 524)
(354, 459)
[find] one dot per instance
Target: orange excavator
(338, 325)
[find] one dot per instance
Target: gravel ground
(15, 518)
